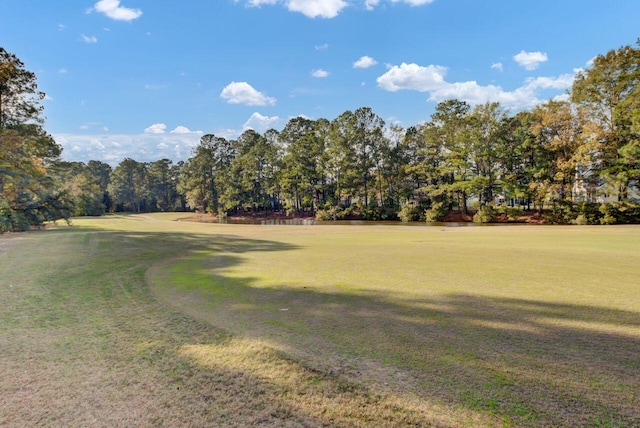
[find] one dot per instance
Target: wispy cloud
(413, 2)
(258, 3)
(155, 86)
(327, 8)
(88, 39)
(371, 4)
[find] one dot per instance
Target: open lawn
(148, 321)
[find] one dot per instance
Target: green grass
(143, 320)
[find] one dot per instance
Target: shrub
(590, 212)
(436, 213)
(375, 213)
(512, 213)
(620, 212)
(563, 212)
(581, 220)
(330, 214)
(409, 213)
(486, 214)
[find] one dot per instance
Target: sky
(146, 79)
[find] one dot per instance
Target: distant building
(590, 187)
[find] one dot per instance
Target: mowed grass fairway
(148, 321)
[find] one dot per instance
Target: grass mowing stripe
(84, 344)
(535, 326)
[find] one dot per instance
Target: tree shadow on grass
(95, 348)
(530, 362)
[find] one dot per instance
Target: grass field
(147, 321)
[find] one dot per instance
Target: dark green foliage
(561, 158)
(436, 213)
(608, 96)
(330, 214)
(486, 214)
(29, 192)
(512, 213)
(85, 186)
(620, 212)
(408, 213)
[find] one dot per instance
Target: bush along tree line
(575, 160)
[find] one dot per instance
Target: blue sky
(145, 78)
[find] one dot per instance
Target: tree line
(575, 159)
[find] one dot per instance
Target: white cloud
(258, 3)
(431, 79)
(320, 73)
(62, 71)
(61, 27)
(365, 62)
(322, 47)
(304, 116)
(256, 122)
(371, 4)
(413, 77)
(113, 148)
(156, 128)
(317, 8)
(497, 66)
(228, 133)
(89, 39)
(113, 10)
(530, 60)
(260, 123)
(562, 97)
(244, 93)
(183, 130)
(564, 81)
(309, 8)
(325, 8)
